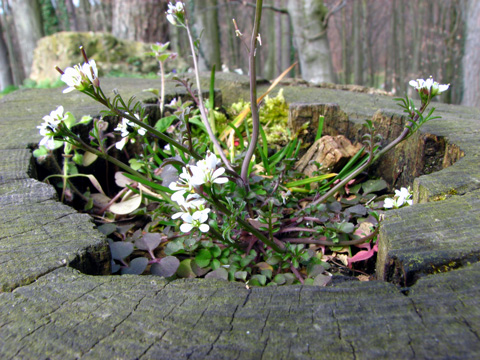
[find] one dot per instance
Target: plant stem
(248, 227)
(106, 102)
(201, 105)
(162, 88)
(371, 159)
(84, 146)
(253, 93)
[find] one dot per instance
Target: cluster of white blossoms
(127, 128)
(49, 128)
(402, 196)
(80, 76)
(429, 87)
(175, 13)
(194, 211)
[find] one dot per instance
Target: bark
(7, 27)
(29, 28)
(416, 13)
(471, 58)
(346, 49)
(310, 39)
(271, 43)
(358, 53)
(140, 20)
(101, 15)
(5, 71)
(83, 11)
(72, 15)
(206, 24)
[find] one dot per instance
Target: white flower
(121, 144)
(175, 12)
(196, 220)
(189, 206)
(402, 197)
(90, 70)
(80, 76)
(126, 128)
(49, 128)
(72, 76)
(388, 203)
(429, 86)
(206, 172)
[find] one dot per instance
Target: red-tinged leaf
(362, 255)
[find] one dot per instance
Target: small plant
(229, 208)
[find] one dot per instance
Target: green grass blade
(309, 180)
(321, 119)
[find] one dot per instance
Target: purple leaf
(148, 241)
(137, 266)
(166, 267)
(119, 249)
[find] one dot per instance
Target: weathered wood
(331, 153)
(49, 310)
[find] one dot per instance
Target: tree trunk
(101, 16)
(206, 23)
(140, 20)
(72, 15)
(358, 54)
(310, 39)
(28, 26)
(83, 11)
(346, 49)
(49, 17)
(471, 58)
(13, 53)
(5, 71)
(271, 42)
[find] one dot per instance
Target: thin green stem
(162, 88)
(80, 143)
(201, 105)
(253, 94)
(245, 225)
(150, 129)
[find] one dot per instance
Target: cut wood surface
(51, 308)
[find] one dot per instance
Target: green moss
(443, 196)
(273, 117)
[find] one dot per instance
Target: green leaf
(215, 264)
(321, 119)
(69, 119)
(258, 280)
(371, 186)
(309, 180)
(153, 91)
(280, 279)
(41, 151)
(185, 269)
(221, 273)
(135, 164)
(203, 258)
(164, 123)
(241, 275)
(163, 57)
(85, 119)
(88, 158)
(215, 251)
(174, 247)
(346, 227)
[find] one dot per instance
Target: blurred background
(374, 43)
